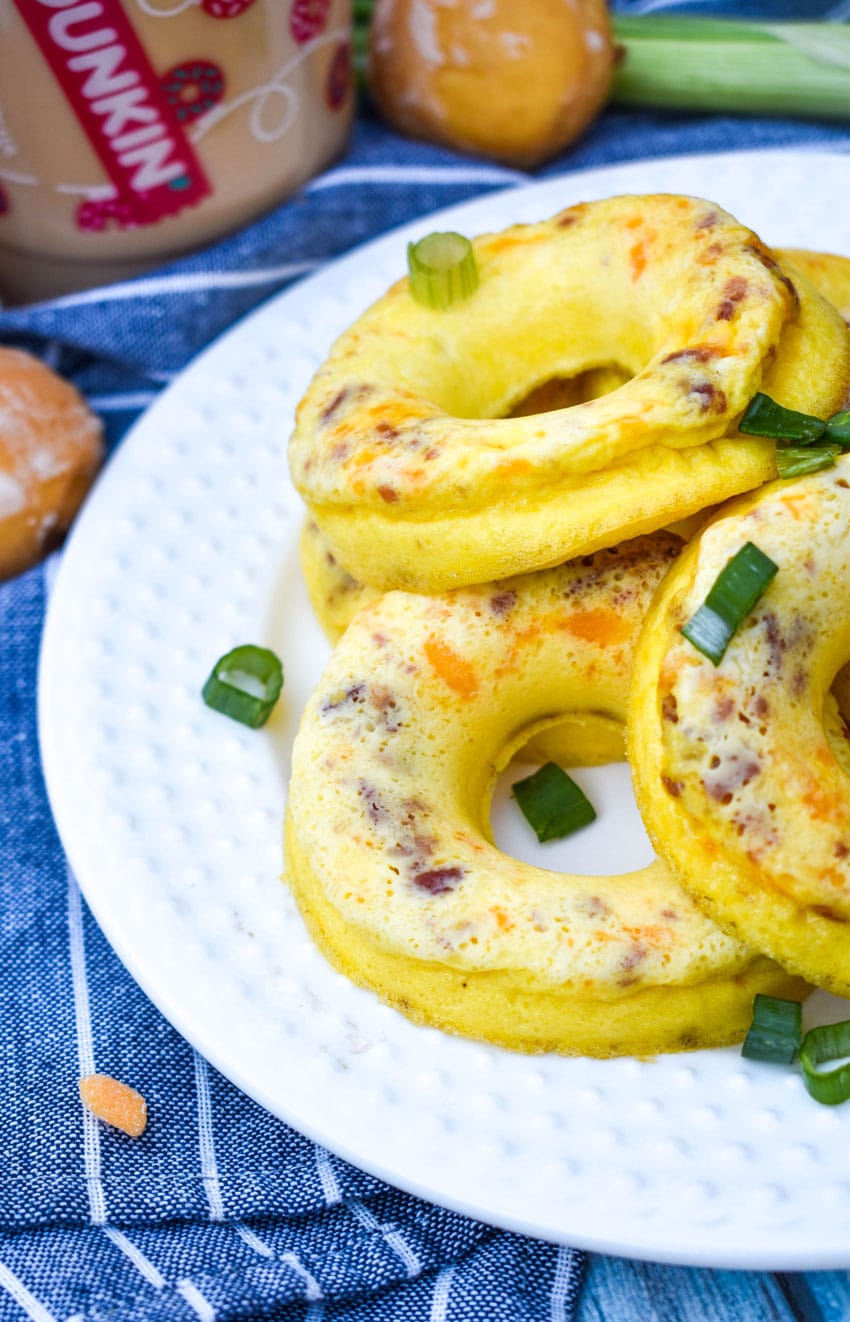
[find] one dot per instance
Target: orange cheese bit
(452, 669)
(598, 626)
(116, 1103)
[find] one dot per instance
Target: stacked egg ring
(499, 564)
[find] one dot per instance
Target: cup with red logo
(132, 131)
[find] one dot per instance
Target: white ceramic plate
(171, 815)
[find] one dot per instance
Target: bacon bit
(733, 293)
(115, 1103)
(598, 626)
(439, 881)
(452, 669)
(702, 353)
(335, 405)
(637, 258)
(386, 429)
(708, 221)
(389, 494)
(824, 911)
(502, 602)
(670, 708)
(841, 850)
(709, 396)
(673, 787)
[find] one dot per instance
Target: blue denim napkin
(221, 1211)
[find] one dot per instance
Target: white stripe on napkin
(181, 284)
(415, 174)
(330, 1187)
(390, 1236)
(206, 1140)
(22, 1296)
(440, 1299)
(564, 1269)
(131, 399)
(196, 1301)
(313, 1289)
(143, 1265)
(85, 1049)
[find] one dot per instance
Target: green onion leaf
(442, 269)
(245, 684)
(776, 1030)
(764, 417)
(725, 65)
(735, 591)
(797, 460)
(820, 1046)
(838, 429)
(553, 803)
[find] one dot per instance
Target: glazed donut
(389, 854)
(404, 455)
(741, 770)
(50, 449)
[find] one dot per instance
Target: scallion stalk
(776, 1030)
(732, 596)
(442, 269)
(553, 803)
(726, 65)
(827, 1045)
(800, 460)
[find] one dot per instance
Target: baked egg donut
(741, 769)
(389, 851)
(827, 271)
(408, 462)
(579, 739)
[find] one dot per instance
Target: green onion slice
(245, 684)
(764, 417)
(797, 460)
(553, 803)
(838, 429)
(820, 1046)
(735, 591)
(776, 1030)
(442, 269)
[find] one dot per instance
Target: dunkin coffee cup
(134, 130)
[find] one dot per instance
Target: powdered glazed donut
(51, 447)
(407, 460)
(389, 852)
(741, 770)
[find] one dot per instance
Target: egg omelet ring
(388, 847)
(406, 455)
(741, 770)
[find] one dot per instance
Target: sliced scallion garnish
(776, 1030)
(732, 596)
(820, 1046)
(553, 803)
(764, 417)
(245, 684)
(442, 269)
(798, 460)
(838, 429)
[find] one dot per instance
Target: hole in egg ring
(388, 845)
(757, 748)
(405, 449)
